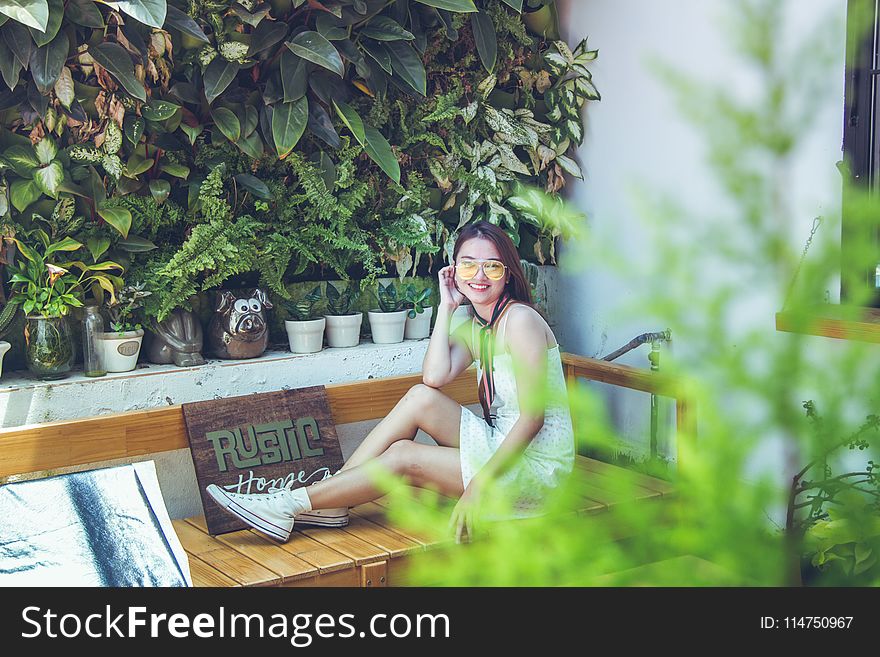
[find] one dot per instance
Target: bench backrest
(53, 445)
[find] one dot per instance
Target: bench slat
(264, 551)
(245, 571)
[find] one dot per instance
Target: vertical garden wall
(185, 146)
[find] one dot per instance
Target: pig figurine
(238, 328)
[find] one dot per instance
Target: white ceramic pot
(305, 337)
(119, 351)
(343, 330)
(420, 327)
(4, 347)
(387, 327)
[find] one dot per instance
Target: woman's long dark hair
(517, 285)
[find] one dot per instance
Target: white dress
(548, 458)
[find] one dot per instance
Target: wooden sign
(260, 443)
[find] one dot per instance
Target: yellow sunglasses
(493, 269)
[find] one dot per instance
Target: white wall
(637, 142)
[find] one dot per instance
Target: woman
(523, 444)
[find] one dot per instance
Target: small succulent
(304, 309)
(389, 302)
(415, 300)
(340, 303)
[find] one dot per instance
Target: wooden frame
(53, 445)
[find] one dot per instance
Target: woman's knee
(401, 458)
(419, 393)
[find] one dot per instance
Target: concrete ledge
(26, 400)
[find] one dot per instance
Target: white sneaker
(337, 517)
(271, 513)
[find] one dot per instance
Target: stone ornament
(177, 339)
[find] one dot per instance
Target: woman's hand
(449, 294)
(466, 511)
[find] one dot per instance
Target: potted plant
(343, 325)
(119, 348)
(418, 319)
(305, 331)
(46, 292)
(388, 322)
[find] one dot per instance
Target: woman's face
(480, 289)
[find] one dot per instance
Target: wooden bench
(371, 550)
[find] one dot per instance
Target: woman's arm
(447, 355)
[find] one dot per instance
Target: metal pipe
(654, 358)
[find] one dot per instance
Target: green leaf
(85, 13)
(148, 12)
(294, 76)
(174, 169)
(569, 166)
(117, 61)
(352, 121)
(19, 41)
(22, 193)
(266, 35)
(254, 185)
(379, 150)
(46, 62)
(451, 5)
(378, 52)
(250, 122)
(184, 24)
(227, 122)
(133, 128)
(137, 165)
(382, 28)
(136, 244)
(514, 4)
(49, 178)
(10, 67)
(313, 47)
(192, 132)
(22, 158)
(56, 13)
(160, 189)
(251, 145)
(289, 121)
(119, 218)
(64, 91)
(219, 74)
(97, 246)
(33, 13)
(159, 110)
(330, 27)
(46, 150)
(408, 65)
(484, 36)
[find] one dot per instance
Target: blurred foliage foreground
(780, 487)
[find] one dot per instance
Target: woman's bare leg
(424, 466)
(422, 407)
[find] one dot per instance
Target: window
(861, 136)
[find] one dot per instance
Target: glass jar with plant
(47, 289)
(305, 330)
(419, 311)
(388, 322)
(343, 324)
(120, 347)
